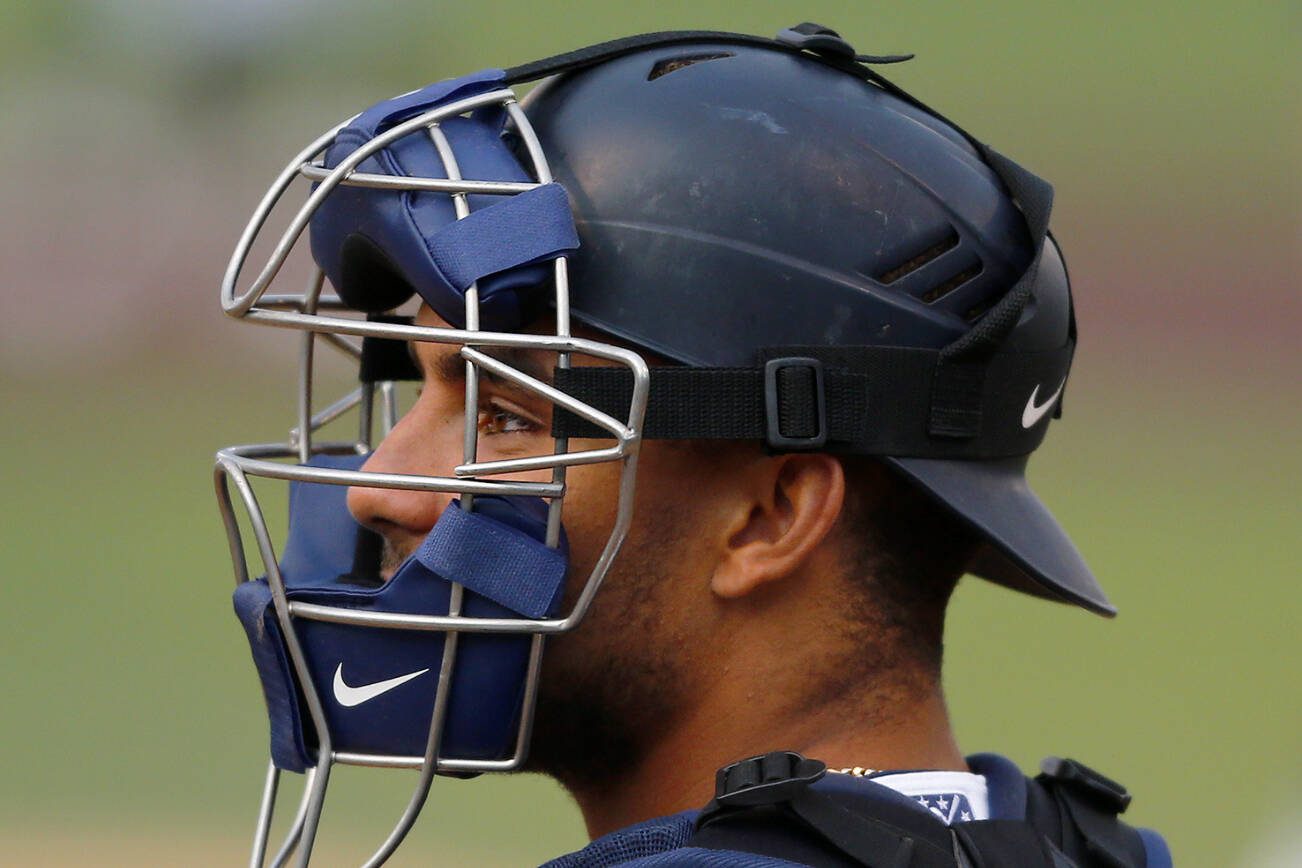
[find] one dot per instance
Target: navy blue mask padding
(495, 552)
(322, 532)
(416, 238)
(285, 710)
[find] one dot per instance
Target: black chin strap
(961, 370)
(970, 400)
(854, 400)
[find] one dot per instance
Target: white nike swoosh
(1035, 412)
(350, 696)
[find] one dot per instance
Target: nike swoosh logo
(1035, 412)
(350, 696)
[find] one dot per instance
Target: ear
(794, 504)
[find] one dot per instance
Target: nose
(426, 441)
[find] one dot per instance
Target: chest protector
(765, 806)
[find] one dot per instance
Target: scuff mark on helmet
(764, 119)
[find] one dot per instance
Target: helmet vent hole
(936, 293)
(673, 64)
(917, 260)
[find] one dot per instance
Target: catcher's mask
(435, 669)
(445, 194)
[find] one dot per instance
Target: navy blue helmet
(735, 198)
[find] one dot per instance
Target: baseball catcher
(731, 357)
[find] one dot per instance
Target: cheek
(591, 501)
(672, 527)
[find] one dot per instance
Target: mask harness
(437, 669)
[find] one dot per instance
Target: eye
(500, 418)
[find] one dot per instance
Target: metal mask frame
(319, 317)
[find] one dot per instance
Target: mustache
(393, 556)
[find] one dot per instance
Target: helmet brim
(1024, 547)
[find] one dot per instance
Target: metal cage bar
(238, 305)
(316, 315)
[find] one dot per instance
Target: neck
(879, 728)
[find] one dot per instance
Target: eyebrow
(451, 368)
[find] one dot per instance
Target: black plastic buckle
(765, 780)
(827, 42)
(772, 416)
(1087, 781)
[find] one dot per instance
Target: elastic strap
(520, 230)
(956, 382)
(766, 805)
(386, 359)
(749, 792)
(873, 842)
(495, 560)
(604, 51)
(807, 39)
(855, 400)
(956, 412)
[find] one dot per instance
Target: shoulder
(632, 845)
(1075, 806)
(664, 842)
(1155, 849)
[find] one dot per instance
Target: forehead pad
(380, 246)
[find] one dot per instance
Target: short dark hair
(905, 554)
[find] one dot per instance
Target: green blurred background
(136, 137)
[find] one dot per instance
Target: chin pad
(379, 246)
(377, 685)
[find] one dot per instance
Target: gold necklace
(857, 772)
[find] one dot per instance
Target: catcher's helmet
(733, 199)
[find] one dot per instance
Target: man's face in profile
(624, 670)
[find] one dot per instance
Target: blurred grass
(1156, 91)
(132, 728)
